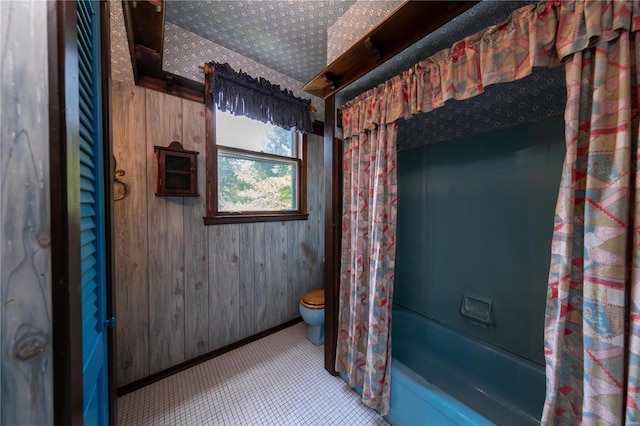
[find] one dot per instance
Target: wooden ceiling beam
(411, 22)
(174, 84)
(144, 21)
(148, 61)
(148, 23)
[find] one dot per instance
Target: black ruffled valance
(256, 98)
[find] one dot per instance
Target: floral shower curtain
(368, 249)
(592, 330)
(595, 256)
(500, 53)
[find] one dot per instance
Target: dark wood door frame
(64, 177)
(65, 213)
(333, 231)
(109, 170)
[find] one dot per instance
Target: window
(256, 171)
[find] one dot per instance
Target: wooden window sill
(236, 218)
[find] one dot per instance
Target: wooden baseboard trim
(130, 387)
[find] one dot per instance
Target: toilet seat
(313, 299)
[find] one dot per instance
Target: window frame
(213, 215)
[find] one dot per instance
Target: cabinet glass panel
(178, 180)
(178, 163)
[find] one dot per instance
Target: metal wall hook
(125, 189)
(116, 173)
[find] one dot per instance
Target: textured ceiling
(287, 36)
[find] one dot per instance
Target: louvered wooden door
(92, 218)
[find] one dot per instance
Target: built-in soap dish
(477, 310)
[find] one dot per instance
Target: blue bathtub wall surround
(475, 221)
(475, 218)
(443, 377)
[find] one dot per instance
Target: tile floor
(277, 380)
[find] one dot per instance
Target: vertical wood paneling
(184, 289)
(275, 246)
(312, 256)
(25, 253)
(303, 266)
(302, 231)
(318, 222)
(195, 236)
(312, 243)
(224, 270)
(166, 241)
(293, 258)
(130, 221)
(247, 281)
(260, 276)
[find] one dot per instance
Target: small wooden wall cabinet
(177, 171)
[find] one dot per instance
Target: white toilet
(312, 312)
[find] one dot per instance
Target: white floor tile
(277, 380)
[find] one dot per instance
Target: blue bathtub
(441, 377)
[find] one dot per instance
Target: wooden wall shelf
(177, 171)
(409, 23)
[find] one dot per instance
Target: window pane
(253, 135)
(249, 184)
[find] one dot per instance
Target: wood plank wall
(182, 288)
(25, 253)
